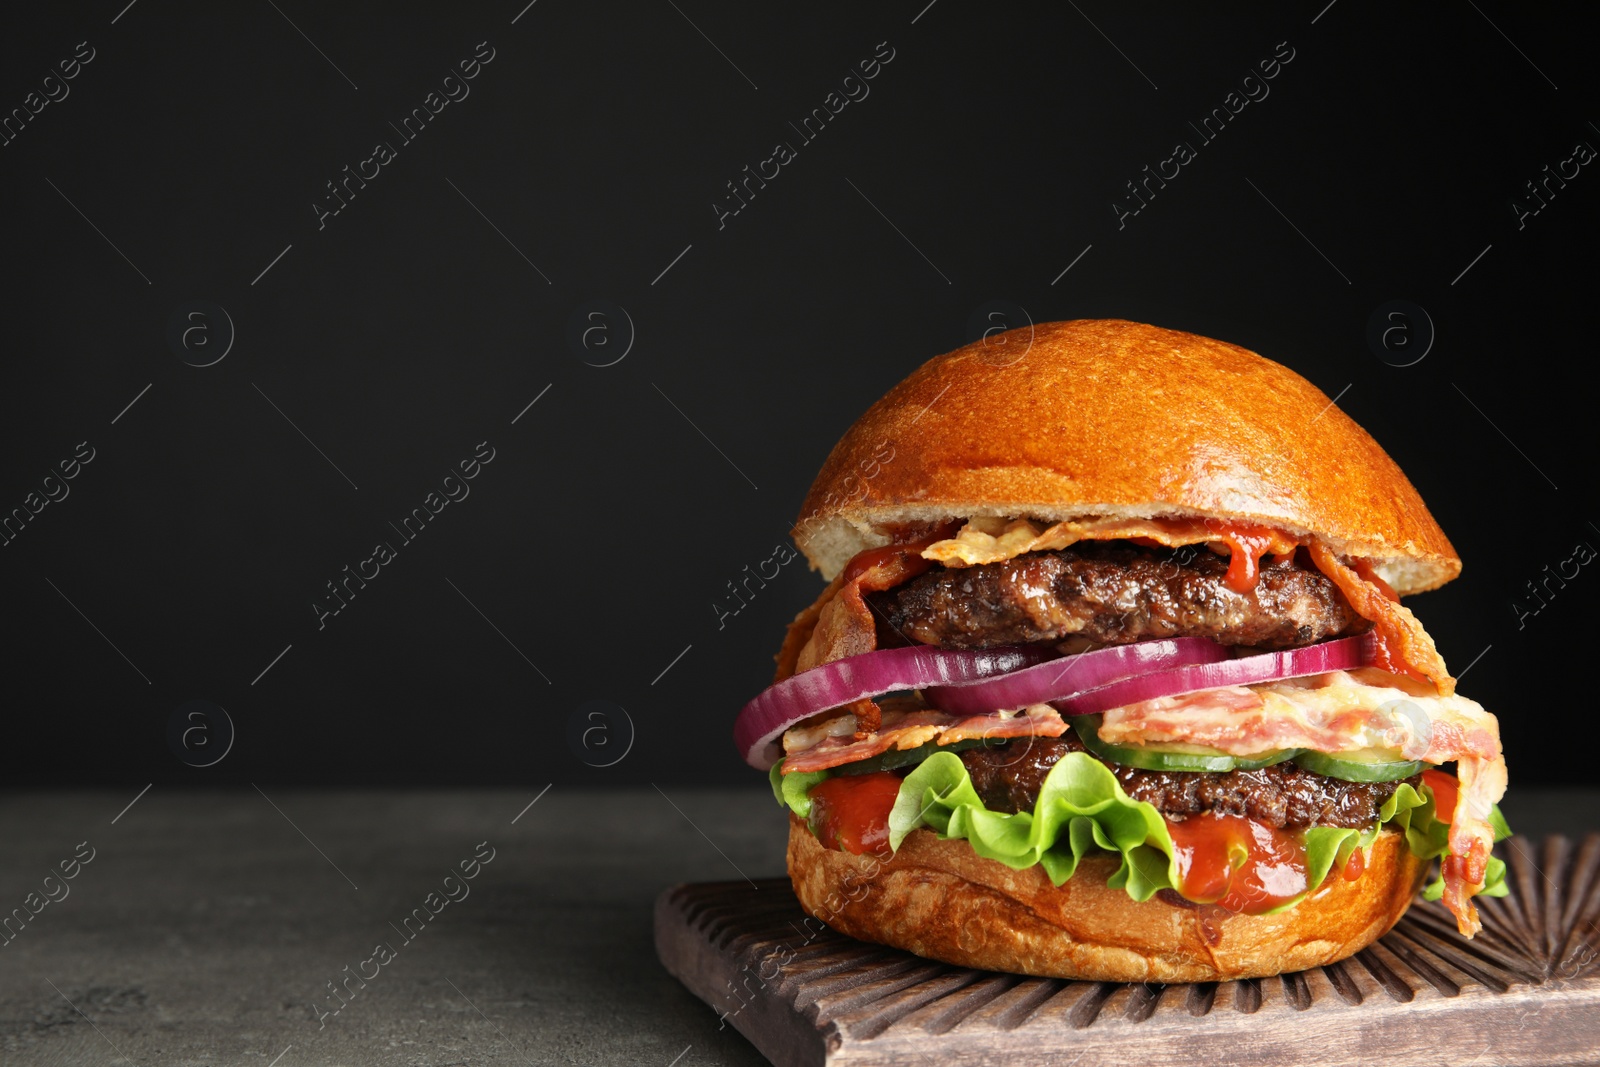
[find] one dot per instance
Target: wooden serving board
(1525, 991)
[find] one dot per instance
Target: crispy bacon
(1036, 720)
(899, 731)
(800, 630)
(1481, 771)
(1403, 646)
(911, 729)
(840, 624)
(1333, 712)
(1340, 712)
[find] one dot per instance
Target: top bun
(1107, 418)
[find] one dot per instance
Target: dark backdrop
(164, 210)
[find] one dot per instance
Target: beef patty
(1114, 592)
(1007, 778)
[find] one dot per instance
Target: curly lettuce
(1082, 809)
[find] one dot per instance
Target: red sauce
(1444, 786)
(1355, 865)
(850, 812)
(1237, 864)
(1246, 546)
(862, 562)
(913, 563)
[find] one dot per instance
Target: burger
(1111, 679)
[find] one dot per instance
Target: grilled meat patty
(1114, 592)
(1007, 777)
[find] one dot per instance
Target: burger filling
(1244, 796)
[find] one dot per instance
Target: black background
(411, 327)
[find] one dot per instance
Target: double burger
(1111, 679)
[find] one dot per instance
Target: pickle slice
(1363, 765)
(1171, 757)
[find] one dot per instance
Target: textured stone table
(208, 925)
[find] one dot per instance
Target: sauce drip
(1246, 546)
(911, 565)
(1237, 864)
(1355, 865)
(1444, 786)
(850, 812)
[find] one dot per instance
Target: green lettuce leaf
(1082, 809)
(795, 789)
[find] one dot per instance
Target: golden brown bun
(1101, 417)
(941, 900)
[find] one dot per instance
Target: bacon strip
(907, 731)
(1481, 770)
(1037, 720)
(845, 625)
(1334, 712)
(800, 630)
(840, 624)
(1403, 646)
(993, 540)
(918, 728)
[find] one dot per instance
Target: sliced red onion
(1344, 654)
(1073, 674)
(762, 721)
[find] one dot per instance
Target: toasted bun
(941, 900)
(1067, 420)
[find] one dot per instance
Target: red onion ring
(1071, 675)
(1343, 654)
(762, 721)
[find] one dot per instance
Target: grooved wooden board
(1525, 991)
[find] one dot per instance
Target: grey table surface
(208, 925)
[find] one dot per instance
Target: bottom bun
(941, 900)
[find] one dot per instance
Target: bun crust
(941, 900)
(1101, 417)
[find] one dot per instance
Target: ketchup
(912, 565)
(850, 812)
(1355, 865)
(1237, 864)
(1444, 786)
(1246, 546)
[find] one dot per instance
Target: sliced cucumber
(1171, 757)
(1363, 765)
(1265, 759)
